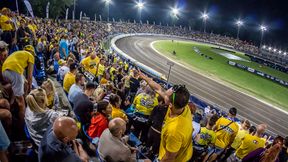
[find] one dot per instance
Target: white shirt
(196, 127)
(63, 70)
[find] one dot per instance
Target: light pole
(140, 6)
(263, 28)
(204, 17)
(107, 4)
(170, 64)
(239, 23)
(74, 7)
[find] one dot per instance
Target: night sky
(222, 13)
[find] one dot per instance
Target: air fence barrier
(161, 79)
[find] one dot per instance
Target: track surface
(206, 89)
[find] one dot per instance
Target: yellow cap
(30, 49)
(61, 62)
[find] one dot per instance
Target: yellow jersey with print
(112, 73)
(101, 69)
(237, 141)
(225, 136)
(90, 64)
(118, 113)
(69, 80)
(249, 144)
(205, 137)
(176, 136)
(31, 28)
(144, 103)
(5, 26)
(18, 61)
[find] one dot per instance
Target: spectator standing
(244, 129)
(83, 105)
(176, 134)
(250, 143)
(206, 137)
(69, 78)
(90, 63)
(226, 130)
(13, 70)
(113, 146)
(6, 26)
(63, 47)
(283, 155)
(55, 145)
(144, 103)
(37, 115)
(196, 124)
(155, 121)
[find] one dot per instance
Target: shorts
(4, 140)
(16, 80)
(215, 150)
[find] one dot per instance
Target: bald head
(117, 127)
(261, 128)
(65, 129)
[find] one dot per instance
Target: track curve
(138, 47)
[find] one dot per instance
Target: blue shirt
(63, 44)
(73, 92)
(52, 149)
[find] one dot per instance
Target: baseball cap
(30, 49)
(61, 62)
(3, 44)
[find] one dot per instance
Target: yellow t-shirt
(90, 64)
(118, 113)
(225, 136)
(112, 69)
(69, 80)
(144, 104)
(237, 141)
(18, 61)
(31, 28)
(206, 137)
(5, 26)
(101, 69)
(249, 144)
(176, 136)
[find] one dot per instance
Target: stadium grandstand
(67, 96)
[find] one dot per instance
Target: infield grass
(220, 70)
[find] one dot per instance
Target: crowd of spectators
(120, 114)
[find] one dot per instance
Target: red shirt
(98, 124)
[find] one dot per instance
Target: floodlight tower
(140, 6)
(263, 28)
(107, 4)
(204, 17)
(239, 23)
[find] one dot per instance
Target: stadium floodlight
(204, 17)
(274, 50)
(175, 11)
(140, 6)
(270, 48)
(239, 23)
(284, 53)
(263, 28)
(280, 52)
(264, 47)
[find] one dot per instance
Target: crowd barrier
(259, 73)
(160, 78)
